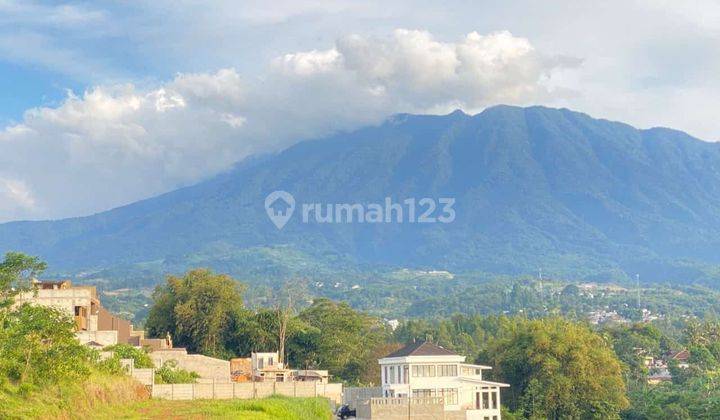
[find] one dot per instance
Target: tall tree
(16, 273)
(558, 369)
(342, 340)
(199, 310)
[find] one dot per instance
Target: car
(345, 412)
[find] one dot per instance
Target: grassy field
(104, 396)
(284, 408)
(69, 400)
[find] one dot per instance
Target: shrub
(169, 373)
(38, 346)
(126, 351)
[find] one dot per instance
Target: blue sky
(149, 96)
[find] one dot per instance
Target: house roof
(486, 383)
(681, 355)
(422, 349)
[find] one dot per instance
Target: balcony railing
(406, 401)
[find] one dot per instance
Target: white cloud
(15, 198)
(414, 70)
(118, 143)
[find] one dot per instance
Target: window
(494, 398)
(447, 370)
(485, 400)
(386, 374)
(406, 373)
(391, 379)
(423, 370)
(398, 375)
(270, 361)
(450, 395)
(423, 393)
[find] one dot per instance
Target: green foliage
(697, 398)
(632, 343)
(16, 273)
(199, 311)
(558, 369)
(273, 408)
(126, 351)
(38, 346)
(467, 335)
(170, 373)
(37, 343)
(339, 339)
(71, 398)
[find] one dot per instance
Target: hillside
(534, 187)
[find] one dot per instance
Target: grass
(276, 407)
(104, 396)
(69, 400)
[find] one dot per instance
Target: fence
(353, 395)
(246, 390)
(145, 376)
(419, 408)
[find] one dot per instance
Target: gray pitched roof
(422, 349)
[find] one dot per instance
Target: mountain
(533, 187)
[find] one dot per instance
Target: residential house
(93, 324)
(261, 367)
(431, 374)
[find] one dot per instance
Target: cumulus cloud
(415, 70)
(119, 143)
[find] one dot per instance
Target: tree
(339, 339)
(38, 346)
(16, 273)
(199, 310)
(558, 369)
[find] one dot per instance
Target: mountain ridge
(535, 187)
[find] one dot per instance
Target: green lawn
(262, 409)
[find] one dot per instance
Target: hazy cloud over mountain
(164, 94)
(117, 143)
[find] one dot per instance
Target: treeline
(557, 368)
(204, 312)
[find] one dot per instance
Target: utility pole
(637, 286)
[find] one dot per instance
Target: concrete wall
(108, 321)
(61, 299)
(399, 409)
(106, 338)
(145, 376)
(246, 390)
(352, 395)
(207, 367)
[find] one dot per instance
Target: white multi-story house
(424, 369)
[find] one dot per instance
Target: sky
(106, 103)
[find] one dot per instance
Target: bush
(38, 346)
(126, 351)
(169, 373)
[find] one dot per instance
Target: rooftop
(422, 349)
